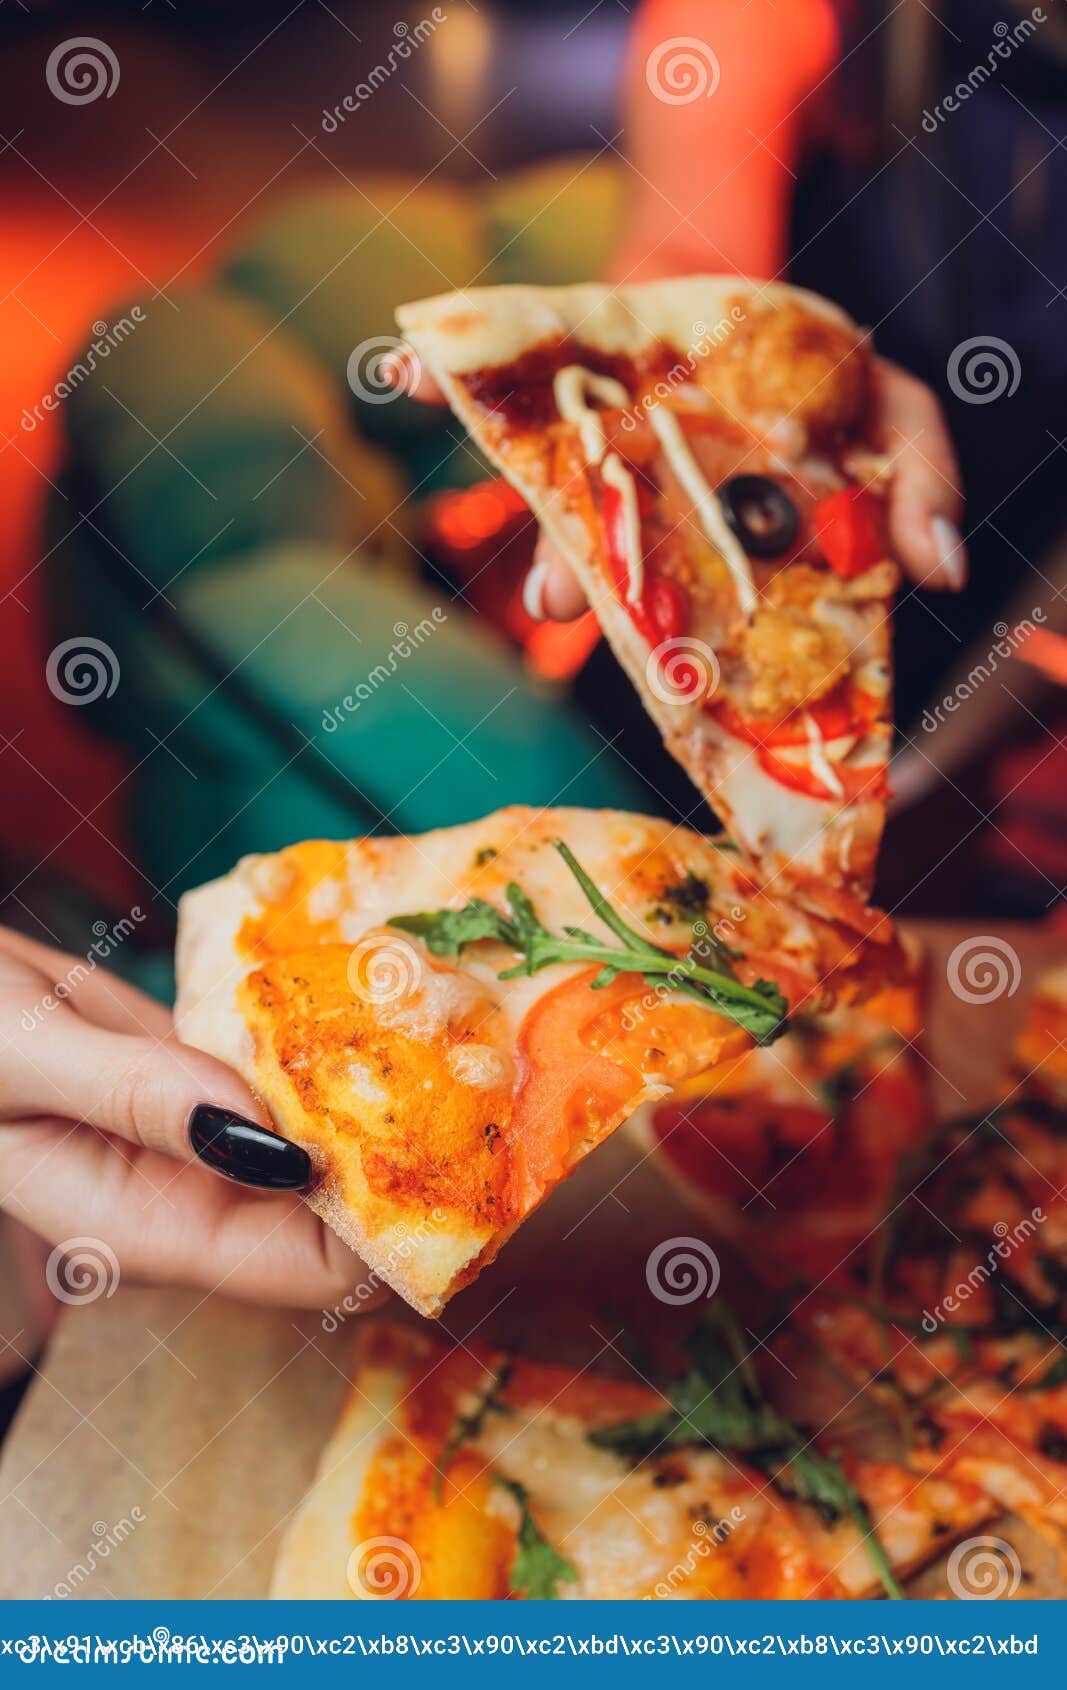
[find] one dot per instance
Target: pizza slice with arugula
(956, 1318)
(464, 1473)
(450, 1022)
(701, 451)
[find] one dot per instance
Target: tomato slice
(580, 1057)
(865, 782)
(846, 709)
(849, 527)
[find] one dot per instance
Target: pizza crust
(459, 332)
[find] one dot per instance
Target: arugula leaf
(760, 1009)
(466, 1427)
(823, 1482)
(537, 1568)
(720, 1402)
(445, 932)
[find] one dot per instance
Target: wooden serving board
(169, 1435)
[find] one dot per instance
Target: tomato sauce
(521, 395)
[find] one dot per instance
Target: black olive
(763, 517)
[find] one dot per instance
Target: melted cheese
(481, 1066)
(618, 476)
(426, 1005)
(572, 388)
(624, 1534)
(706, 504)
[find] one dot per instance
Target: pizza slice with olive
(449, 1023)
(700, 450)
(471, 1474)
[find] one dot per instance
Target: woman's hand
(925, 501)
(110, 1129)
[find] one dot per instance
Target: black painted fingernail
(246, 1153)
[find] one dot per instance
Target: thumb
(925, 504)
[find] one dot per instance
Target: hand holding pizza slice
(449, 1023)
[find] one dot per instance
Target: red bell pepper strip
(850, 529)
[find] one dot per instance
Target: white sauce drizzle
(572, 388)
(820, 763)
(616, 475)
(706, 503)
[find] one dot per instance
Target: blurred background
(218, 522)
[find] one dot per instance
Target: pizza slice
(966, 1278)
(701, 451)
(466, 1474)
(791, 1150)
(1009, 1440)
(958, 1318)
(449, 1023)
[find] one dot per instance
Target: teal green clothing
(294, 693)
(236, 523)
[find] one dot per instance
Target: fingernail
(246, 1152)
(951, 556)
(533, 590)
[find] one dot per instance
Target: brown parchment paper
(168, 1436)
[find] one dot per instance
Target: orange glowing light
(471, 517)
(557, 651)
(1047, 652)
